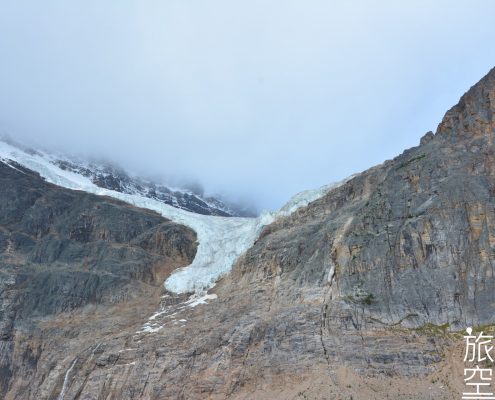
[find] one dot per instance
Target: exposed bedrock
(353, 295)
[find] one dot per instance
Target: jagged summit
(473, 114)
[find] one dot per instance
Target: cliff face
(350, 297)
(411, 241)
(64, 251)
(380, 267)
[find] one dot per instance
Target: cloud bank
(254, 99)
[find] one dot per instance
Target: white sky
(258, 99)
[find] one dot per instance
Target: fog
(254, 99)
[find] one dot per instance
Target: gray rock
(352, 296)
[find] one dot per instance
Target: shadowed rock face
(61, 250)
(350, 296)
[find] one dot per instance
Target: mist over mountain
(253, 100)
(110, 291)
(249, 200)
(183, 194)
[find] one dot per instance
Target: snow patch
(196, 301)
(302, 199)
(147, 328)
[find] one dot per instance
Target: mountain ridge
(108, 175)
(361, 293)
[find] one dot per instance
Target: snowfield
(221, 240)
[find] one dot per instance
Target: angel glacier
(221, 240)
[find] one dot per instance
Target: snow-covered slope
(302, 199)
(110, 176)
(221, 239)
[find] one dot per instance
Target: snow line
(221, 240)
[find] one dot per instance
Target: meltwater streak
(66, 381)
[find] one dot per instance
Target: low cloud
(252, 99)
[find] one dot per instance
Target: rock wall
(62, 250)
(354, 296)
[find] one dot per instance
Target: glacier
(221, 240)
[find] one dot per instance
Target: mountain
(110, 176)
(360, 290)
(63, 250)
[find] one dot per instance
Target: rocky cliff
(65, 252)
(356, 296)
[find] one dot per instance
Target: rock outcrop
(63, 251)
(354, 296)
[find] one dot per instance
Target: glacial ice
(221, 240)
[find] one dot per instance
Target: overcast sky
(259, 99)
